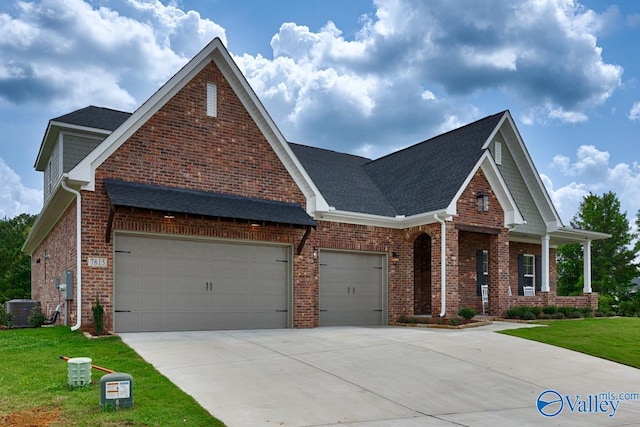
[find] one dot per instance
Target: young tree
(612, 260)
(15, 266)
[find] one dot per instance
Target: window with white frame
(485, 264)
(529, 272)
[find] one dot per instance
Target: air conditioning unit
(20, 310)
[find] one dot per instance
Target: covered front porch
(518, 269)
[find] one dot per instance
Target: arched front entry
(422, 275)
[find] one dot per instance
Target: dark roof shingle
(95, 117)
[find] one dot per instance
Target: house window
(529, 270)
(212, 100)
(483, 202)
(485, 264)
(482, 270)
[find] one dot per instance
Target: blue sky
(364, 77)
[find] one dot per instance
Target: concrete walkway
(388, 376)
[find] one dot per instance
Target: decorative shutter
(538, 273)
(480, 279)
(520, 274)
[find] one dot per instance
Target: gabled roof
(343, 180)
(83, 174)
(426, 177)
(210, 204)
(95, 117)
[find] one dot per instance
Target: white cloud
(71, 53)
(634, 113)
(15, 198)
(597, 176)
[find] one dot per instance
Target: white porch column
(586, 255)
(545, 264)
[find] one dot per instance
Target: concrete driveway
(390, 376)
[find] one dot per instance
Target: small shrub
(402, 319)
(5, 316)
(606, 303)
(528, 315)
(467, 313)
(576, 314)
(454, 321)
(559, 315)
(550, 309)
(599, 314)
(586, 312)
(535, 310)
(98, 317)
(36, 317)
(545, 316)
(567, 311)
(611, 314)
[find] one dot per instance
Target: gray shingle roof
(422, 178)
(216, 205)
(425, 177)
(343, 181)
(95, 117)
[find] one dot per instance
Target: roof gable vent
(498, 153)
(212, 100)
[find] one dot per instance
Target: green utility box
(79, 369)
(116, 390)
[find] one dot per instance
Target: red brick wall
(495, 241)
(60, 247)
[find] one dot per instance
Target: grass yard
(616, 339)
(34, 389)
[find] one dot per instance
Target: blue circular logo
(550, 403)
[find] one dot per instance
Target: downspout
(443, 265)
(78, 252)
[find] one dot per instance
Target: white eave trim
(399, 222)
(214, 51)
(574, 235)
(512, 215)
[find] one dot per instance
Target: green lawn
(616, 339)
(33, 383)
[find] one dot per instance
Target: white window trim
(532, 275)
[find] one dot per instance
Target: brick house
(194, 212)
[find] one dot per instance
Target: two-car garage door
(164, 284)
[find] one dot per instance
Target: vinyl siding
(76, 148)
(519, 190)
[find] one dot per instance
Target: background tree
(613, 263)
(15, 266)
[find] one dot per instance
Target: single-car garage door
(166, 284)
(352, 289)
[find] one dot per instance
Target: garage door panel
(351, 289)
(164, 284)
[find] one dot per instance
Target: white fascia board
(47, 218)
(512, 215)
(249, 99)
(495, 131)
(214, 51)
(399, 222)
(534, 172)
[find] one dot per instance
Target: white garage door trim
(214, 283)
(347, 290)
